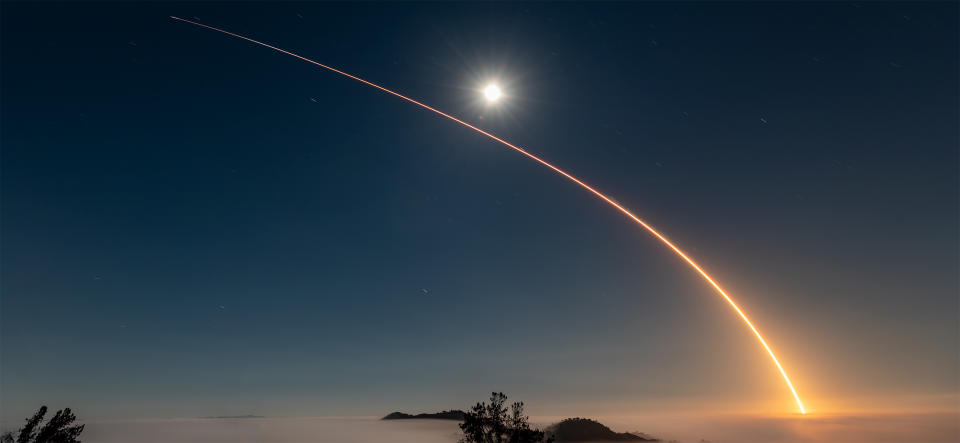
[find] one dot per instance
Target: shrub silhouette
(57, 430)
(494, 423)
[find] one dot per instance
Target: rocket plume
(598, 194)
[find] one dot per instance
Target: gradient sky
(193, 225)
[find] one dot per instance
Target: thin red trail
(543, 162)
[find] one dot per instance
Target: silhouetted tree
(57, 430)
(494, 423)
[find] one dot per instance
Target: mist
(275, 430)
(821, 428)
(875, 428)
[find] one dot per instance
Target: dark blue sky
(194, 225)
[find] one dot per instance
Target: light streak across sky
(693, 264)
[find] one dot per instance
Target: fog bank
(876, 428)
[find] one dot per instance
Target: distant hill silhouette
(455, 414)
(234, 416)
(584, 429)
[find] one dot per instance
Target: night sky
(194, 225)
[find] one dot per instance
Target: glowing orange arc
(595, 192)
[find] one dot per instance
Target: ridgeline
(455, 414)
(584, 429)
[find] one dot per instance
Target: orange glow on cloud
(595, 192)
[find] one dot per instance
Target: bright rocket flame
(595, 192)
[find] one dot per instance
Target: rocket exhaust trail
(543, 162)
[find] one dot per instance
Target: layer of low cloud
(875, 428)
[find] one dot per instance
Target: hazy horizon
(887, 428)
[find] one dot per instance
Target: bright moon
(492, 92)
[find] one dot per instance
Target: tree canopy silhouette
(495, 423)
(57, 430)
